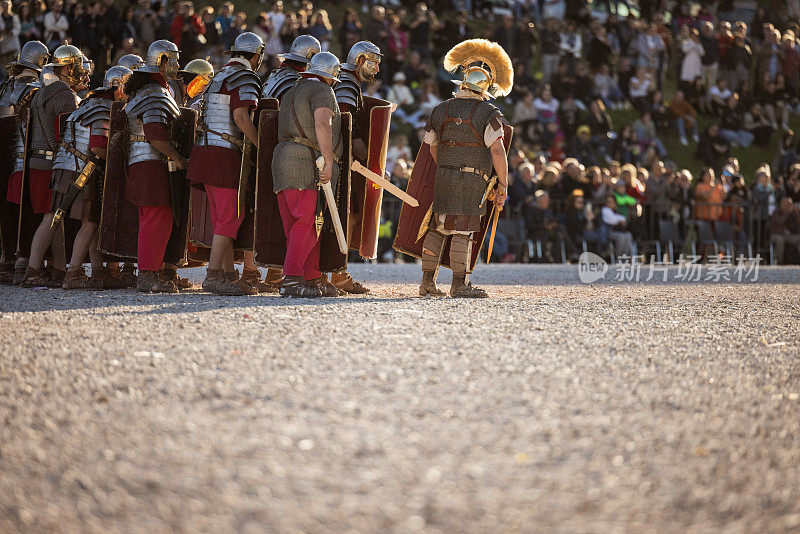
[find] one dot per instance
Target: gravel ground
(553, 406)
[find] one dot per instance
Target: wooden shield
(119, 219)
(368, 196)
(8, 212)
(410, 231)
(182, 137)
(330, 257)
(270, 240)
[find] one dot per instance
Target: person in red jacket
(186, 31)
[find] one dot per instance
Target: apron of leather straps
(303, 139)
(458, 120)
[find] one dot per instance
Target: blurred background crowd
(640, 127)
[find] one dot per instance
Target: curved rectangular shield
(331, 258)
(8, 212)
(413, 223)
(182, 137)
(270, 240)
(368, 196)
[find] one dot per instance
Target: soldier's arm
(241, 117)
(500, 162)
(324, 131)
(241, 104)
(157, 136)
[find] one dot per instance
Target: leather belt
(305, 142)
(453, 144)
(471, 170)
(20, 155)
(138, 138)
(78, 154)
(203, 127)
(42, 154)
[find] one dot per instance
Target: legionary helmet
(115, 77)
(71, 61)
(486, 67)
(324, 64)
(162, 58)
(130, 61)
(251, 43)
(303, 49)
(196, 76)
(34, 55)
(369, 68)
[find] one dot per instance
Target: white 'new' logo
(591, 268)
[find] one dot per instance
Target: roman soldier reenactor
(195, 77)
(277, 85)
(309, 126)
(130, 61)
(150, 111)
(16, 94)
(57, 97)
(363, 64)
(77, 169)
(224, 126)
(465, 136)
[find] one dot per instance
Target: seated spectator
(659, 112)
(524, 117)
(551, 183)
(626, 204)
(696, 95)
(569, 118)
(625, 148)
(616, 224)
(546, 106)
(718, 97)
(775, 105)
(784, 227)
(645, 130)
(731, 125)
(580, 146)
(712, 148)
(400, 94)
(791, 185)
(580, 223)
(758, 125)
(709, 196)
(573, 176)
(541, 225)
(563, 83)
(607, 88)
(684, 115)
(583, 86)
(521, 191)
(640, 86)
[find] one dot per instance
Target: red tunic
(148, 181)
(215, 165)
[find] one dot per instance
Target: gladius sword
(379, 180)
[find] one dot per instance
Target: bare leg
(83, 244)
(44, 237)
(221, 249)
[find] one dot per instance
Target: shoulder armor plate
(279, 82)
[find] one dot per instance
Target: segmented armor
(216, 124)
(16, 99)
(91, 118)
(279, 82)
(152, 104)
(348, 91)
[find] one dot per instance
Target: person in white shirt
(56, 25)
(640, 86)
(9, 32)
(277, 17)
(617, 226)
(718, 97)
(400, 94)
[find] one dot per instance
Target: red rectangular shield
(377, 116)
(270, 241)
(410, 234)
(182, 137)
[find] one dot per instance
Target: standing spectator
(505, 35)
(416, 71)
(127, 28)
(350, 31)
(56, 26)
(262, 27)
(790, 62)
(225, 21)
(454, 32)
(187, 32)
(10, 29)
(709, 195)
(650, 46)
(29, 30)
(764, 204)
(146, 23)
(290, 30)
(639, 89)
(377, 31)
(550, 42)
(784, 227)
(213, 33)
(693, 52)
(599, 53)
(546, 105)
(277, 17)
(580, 222)
(710, 62)
(400, 94)
(321, 29)
(397, 45)
(419, 31)
(738, 61)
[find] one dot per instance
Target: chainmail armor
(50, 101)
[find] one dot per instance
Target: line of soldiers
(166, 167)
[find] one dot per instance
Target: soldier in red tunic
(150, 110)
(224, 126)
(55, 98)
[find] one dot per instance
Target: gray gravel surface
(553, 406)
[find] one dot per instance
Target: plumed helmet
(72, 59)
(197, 74)
(303, 49)
(324, 64)
(486, 67)
(116, 76)
(130, 61)
(34, 55)
(371, 53)
(162, 57)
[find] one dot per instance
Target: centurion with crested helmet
(465, 136)
(220, 161)
(16, 94)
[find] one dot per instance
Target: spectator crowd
(601, 96)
